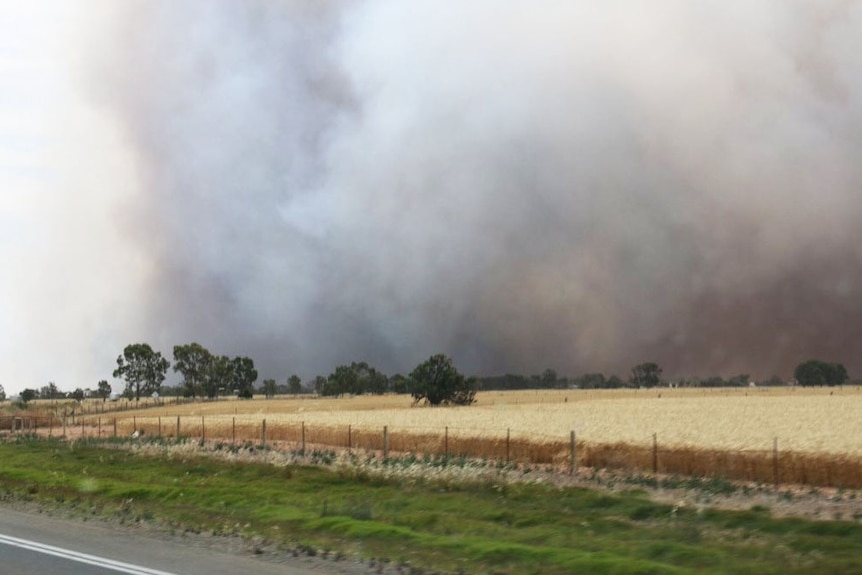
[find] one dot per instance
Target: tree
(399, 384)
(270, 387)
(194, 362)
(320, 384)
(436, 381)
(646, 375)
(341, 381)
(219, 376)
(294, 384)
(28, 395)
(50, 391)
(818, 372)
(104, 390)
(78, 394)
(243, 377)
(143, 369)
(2, 394)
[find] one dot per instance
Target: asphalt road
(35, 544)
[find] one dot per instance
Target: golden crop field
(821, 420)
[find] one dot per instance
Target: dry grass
(725, 432)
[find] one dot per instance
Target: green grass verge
(475, 528)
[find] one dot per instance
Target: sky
(571, 185)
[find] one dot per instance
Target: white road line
(80, 557)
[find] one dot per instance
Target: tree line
(435, 381)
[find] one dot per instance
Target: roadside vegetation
(427, 521)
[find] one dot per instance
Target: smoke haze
(576, 185)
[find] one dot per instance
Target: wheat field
(820, 420)
(792, 435)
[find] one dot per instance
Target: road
(39, 545)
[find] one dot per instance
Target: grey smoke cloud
(520, 185)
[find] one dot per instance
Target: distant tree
(270, 388)
(194, 362)
(399, 384)
(773, 381)
(368, 379)
(51, 391)
(78, 394)
(646, 375)
(614, 382)
(320, 384)
(28, 395)
(340, 382)
(436, 381)
(220, 377)
(590, 381)
(142, 368)
(549, 378)
(2, 394)
(294, 384)
(104, 390)
(243, 377)
(741, 380)
(818, 372)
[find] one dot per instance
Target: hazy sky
(576, 185)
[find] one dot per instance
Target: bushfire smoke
(575, 185)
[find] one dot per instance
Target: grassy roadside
(483, 527)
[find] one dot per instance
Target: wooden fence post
(573, 463)
(64, 424)
(178, 429)
(654, 453)
(82, 428)
(100, 428)
(263, 434)
(385, 442)
(134, 423)
(233, 432)
(115, 427)
(303, 438)
(775, 461)
(446, 442)
(203, 429)
(349, 434)
(160, 427)
(508, 439)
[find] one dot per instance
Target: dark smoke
(577, 185)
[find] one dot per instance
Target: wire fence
(563, 453)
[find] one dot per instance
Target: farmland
(816, 420)
(787, 435)
(409, 509)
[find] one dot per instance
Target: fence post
(303, 438)
(64, 424)
(100, 428)
(263, 434)
(508, 438)
(654, 453)
(51, 425)
(349, 436)
(385, 442)
(446, 442)
(160, 427)
(775, 461)
(573, 464)
(134, 423)
(115, 427)
(178, 429)
(233, 432)
(203, 429)
(82, 428)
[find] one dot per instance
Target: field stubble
(793, 435)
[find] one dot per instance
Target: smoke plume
(575, 185)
